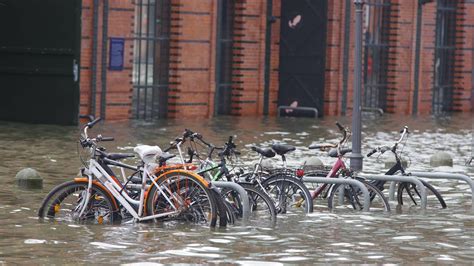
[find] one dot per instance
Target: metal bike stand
(243, 195)
(352, 182)
(399, 178)
(443, 175)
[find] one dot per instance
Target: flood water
(403, 236)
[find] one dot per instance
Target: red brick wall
(119, 83)
(193, 58)
(249, 57)
(192, 75)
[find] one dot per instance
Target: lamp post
(356, 158)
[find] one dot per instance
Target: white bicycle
(98, 196)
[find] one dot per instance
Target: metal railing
(243, 195)
(352, 182)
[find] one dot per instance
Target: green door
(39, 60)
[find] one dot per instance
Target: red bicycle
(344, 196)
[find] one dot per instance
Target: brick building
(198, 58)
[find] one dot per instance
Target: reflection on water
(409, 236)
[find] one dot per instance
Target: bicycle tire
(223, 212)
(352, 195)
(255, 195)
(278, 184)
(200, 205)
(262, 207)
(409, 191)
(102, 209)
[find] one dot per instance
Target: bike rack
(444, 175)
(243, 195)
(353, 182)
(398, 178)
(312, 110)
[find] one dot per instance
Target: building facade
(146, 59)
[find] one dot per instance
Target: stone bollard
(29, 178)
(313, 162)
(390, 161)
(441, 158)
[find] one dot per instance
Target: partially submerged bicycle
(97, 196)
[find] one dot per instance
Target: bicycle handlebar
(393, 149)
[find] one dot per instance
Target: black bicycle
(408, 193)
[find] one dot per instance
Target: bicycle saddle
(333, 152)
(282, 149)
(321, 146)
(119, 156)
(165, 157)
(267, 152)
(148, 153)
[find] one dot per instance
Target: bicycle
(261, 205)
(288, 192)
(343, 196)
(407, 192)
(97, 196)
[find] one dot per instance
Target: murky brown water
(407, 236)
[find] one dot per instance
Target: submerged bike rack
(352, 182)
(399, 178)
(444, 175)
(243, 195)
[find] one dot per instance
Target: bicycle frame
(338, 165)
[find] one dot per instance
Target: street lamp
(356, 157)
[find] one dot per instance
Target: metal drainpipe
(345, 57)
(95, 31)
(416, 75)
(218, 58)
(268, 43)
(105, 22)
(356, 157)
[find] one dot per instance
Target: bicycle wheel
(65, 203)
(186, 196)
(223, 212)
(409, 195)
(288, 193)
(348, 196)
(262, 208)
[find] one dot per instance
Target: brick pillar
(401, 56)
(275, 59)
(192, 58)
(249, 57)
(334, 58)
(462, 96)
(119, 83)
(426, 75)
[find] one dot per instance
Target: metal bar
(95, 32)
(345, 56)
(140, 18)
(356, 156)
(218, 58)
(352, 182)
(243, 195)
(154, 28)
(105, 24)
(312, 109)
(146, 56)
(391, 191)
(398, 178)
(442, 175)
(416, 76)
(268, 43)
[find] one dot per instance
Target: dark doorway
(302, 53)
(39, 60)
